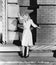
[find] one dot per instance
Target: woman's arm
(20, 16)
(34, 25)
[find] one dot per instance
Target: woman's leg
(23, 49)
(27, 51)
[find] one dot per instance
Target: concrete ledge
(12, 47)
(8, 48)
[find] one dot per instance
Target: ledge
(9, 48)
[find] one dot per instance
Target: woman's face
(25, 16)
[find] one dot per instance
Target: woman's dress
(27, 35)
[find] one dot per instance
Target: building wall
(46, 1)
(1, 16)
(13, 9)
(1, 20)
(46, 18)
(24, 2)
(46, 14)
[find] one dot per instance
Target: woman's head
(26, 16)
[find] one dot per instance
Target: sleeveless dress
(27, 35)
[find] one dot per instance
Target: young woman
(27, 35)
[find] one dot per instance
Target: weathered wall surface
(46, 1)
(46, 17)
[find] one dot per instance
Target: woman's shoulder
(30, 19)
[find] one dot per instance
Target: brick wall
(46, 1)
(24, 2)
(46, 16)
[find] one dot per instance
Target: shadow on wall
(33, 2)
(18, 42)
(54, 55)
(33, 15)
(0, 37)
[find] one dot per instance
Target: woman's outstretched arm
(34, 25)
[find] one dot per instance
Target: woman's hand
(38, 27)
